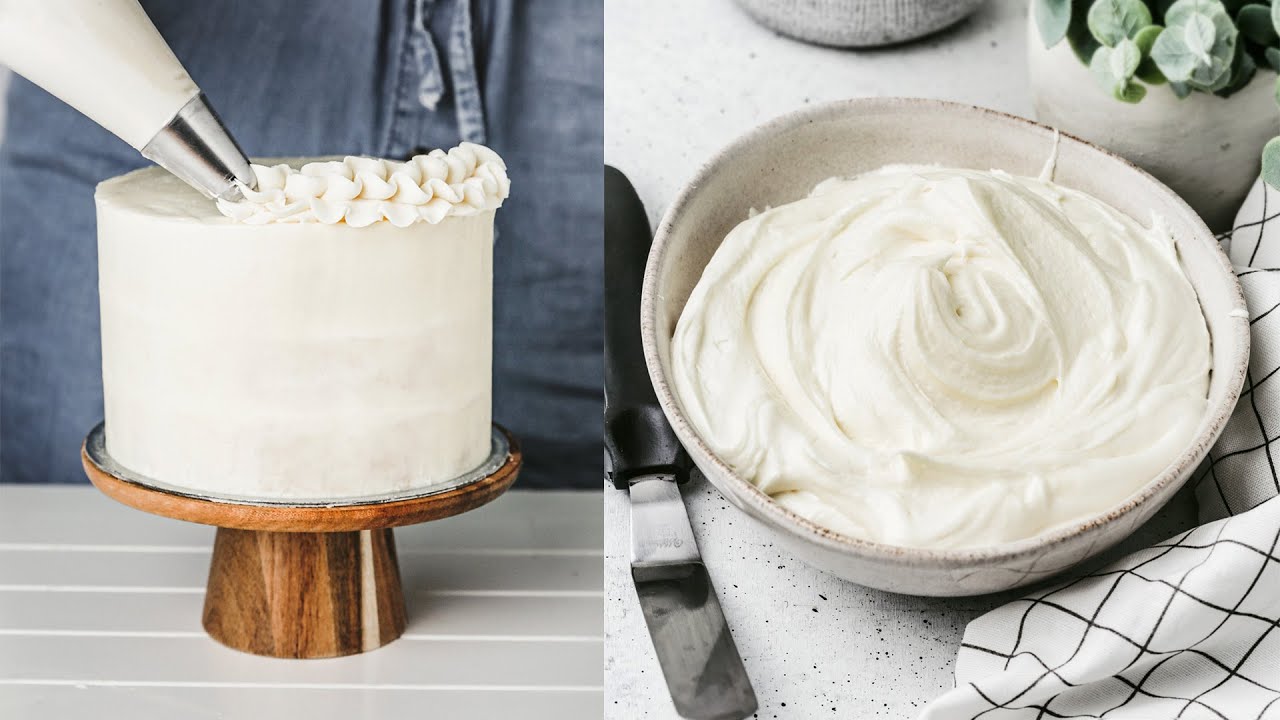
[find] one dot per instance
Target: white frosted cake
(330, 336)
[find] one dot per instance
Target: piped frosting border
(361, 191)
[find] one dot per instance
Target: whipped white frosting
(361, 191)
(944, 358)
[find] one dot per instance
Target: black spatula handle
(637, 435)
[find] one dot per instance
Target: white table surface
(100, 618)
(683, 79)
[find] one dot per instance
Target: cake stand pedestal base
(305, 579)
(304, 595)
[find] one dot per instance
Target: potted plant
(1185, 89)
(857, 23)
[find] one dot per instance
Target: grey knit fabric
(857, 23)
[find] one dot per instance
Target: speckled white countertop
(682, 79)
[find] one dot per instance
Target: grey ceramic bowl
(857, 23)
(782, 161)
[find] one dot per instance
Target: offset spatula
(703, 670)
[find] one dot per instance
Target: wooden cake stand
(303, 579)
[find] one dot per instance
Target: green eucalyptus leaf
(1242, 71)
(1111, 21)
(1277, 91)
(1254, 22)
(1179, 89)
(1173, 57)
(1103, 69)
(1198, 36)
(1052, 18)
(1198, 45)
(1271, 163)
(1273, 58)
(1179, 11)
(1275, 16)
(1082, 42)
(1146, 37)
(1148, 71)
(1125, 58)
(1114, 67)
(1132, 92)
(1219, 82)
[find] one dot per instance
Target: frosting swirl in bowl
(944, 358)
(361, 191)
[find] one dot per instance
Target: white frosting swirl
(361, 191)
(944, 358)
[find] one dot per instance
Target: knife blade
(700, 662)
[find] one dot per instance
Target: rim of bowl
(779, 517)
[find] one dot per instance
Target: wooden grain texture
(304, 595)
(285, 518)
(305, 581)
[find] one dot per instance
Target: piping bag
(106, 59)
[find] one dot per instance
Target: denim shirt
(387, 78)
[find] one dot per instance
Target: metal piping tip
(233, 193)
(196, 147)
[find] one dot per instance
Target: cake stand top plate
(432, 502)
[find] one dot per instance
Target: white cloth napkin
(1188, 627)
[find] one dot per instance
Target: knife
(699, 660)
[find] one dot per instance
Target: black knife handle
(636, 433)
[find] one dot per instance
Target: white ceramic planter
(1206, 148)
(857, 23)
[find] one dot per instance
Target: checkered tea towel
(1186, 628)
